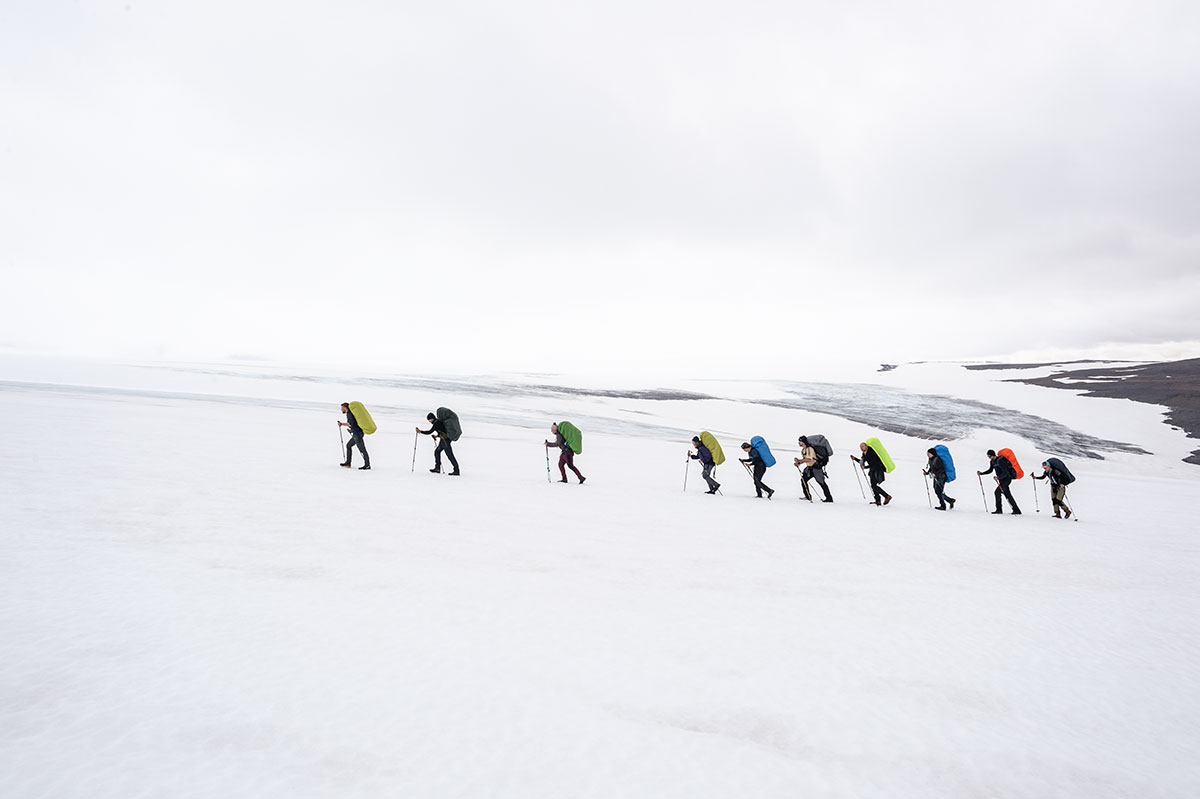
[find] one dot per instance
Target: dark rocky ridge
(1175, 384)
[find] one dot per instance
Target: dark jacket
(702, 454)
(752, 457)
(1003, 468)
(1057, 478)
(936, 468)
(874, 465)
(437, 426)
(354, 428)
(561, 443)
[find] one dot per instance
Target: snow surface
(195, 601)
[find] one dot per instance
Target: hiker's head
(430, 417)
(862, 445)
(695, 439)
(992, 453)
(554, 427)
(931, 453)
(345, 406)
(803, 440)
(745, 446)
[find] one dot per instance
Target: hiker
(872, 464)
(1005, 474)
(705, 457)
(759, 467)
(437, 428)
(1060, 477)
(937, 469)
(567, 458)
(814, 468)
(356, 439)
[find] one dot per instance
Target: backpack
(1066, 478)
(947, 461)
(764, 451)
(450, 419)
(363, 418)
(714, 447)
(1008, 453)
(572, 435)
(823, 448)
(877, 445)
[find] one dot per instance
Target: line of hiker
(815, 455)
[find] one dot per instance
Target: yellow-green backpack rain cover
(875, 444)
(363, 418)
(710, 441)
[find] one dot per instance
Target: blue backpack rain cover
(944, 454)
(764, 451)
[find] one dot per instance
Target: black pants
(1002, 490)
(939, 488)
(356, 440)
(706, 472)
(760, 469)
(818, 474)
(876, 489)
(444, 444)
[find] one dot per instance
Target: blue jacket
(702, 454)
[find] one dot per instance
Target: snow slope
(196, 602)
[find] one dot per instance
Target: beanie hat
(991, 453)
(745, 445)
(696, 439)
(430, 416)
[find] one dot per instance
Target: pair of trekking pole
(1063, 500)
(858, 477)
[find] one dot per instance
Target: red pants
(567, 458)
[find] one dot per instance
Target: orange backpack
(1008, 453)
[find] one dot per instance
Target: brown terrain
(1175, 384)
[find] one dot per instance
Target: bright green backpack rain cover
(875, 444)
(710, 441)
(572, 436)
(363, 418)
(450, 419)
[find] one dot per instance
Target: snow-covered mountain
(196, 601)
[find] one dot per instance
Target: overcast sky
(535, 185)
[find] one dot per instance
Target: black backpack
(1064, 474)
(822, 455)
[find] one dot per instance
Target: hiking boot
(951, 503)
(997, 513)
(770, 493)
(563, 480)
(344, 465)
(364, 468)
(711, 491)
(455, 473)
(940, 507)
(717, 487)
(1016, 513)
(436, 470)
(1058, 515)
(887, 499)
(581, 479)
(1068, 514)
(828, 500)
(877, 502)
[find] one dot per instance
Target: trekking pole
(341, 438)
(927, 497)
(547, 464)
(1035, 499)
(414, 463)
(803, 487)
(687, 467)
(1068, 507)
(858, 477)
(981, 492)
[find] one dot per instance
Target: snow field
(197, 602)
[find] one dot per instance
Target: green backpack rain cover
(714, 448)
(572, 436)
(363, 418)
(875, 444)
(450, 419)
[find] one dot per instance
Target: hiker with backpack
(1005, 473)
(1060, 477)
(754, 460)
(567, 458)
(356, 439)
(873, 465)
(437, 429)
(937, 469)
(814, 456)
(705, 456)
